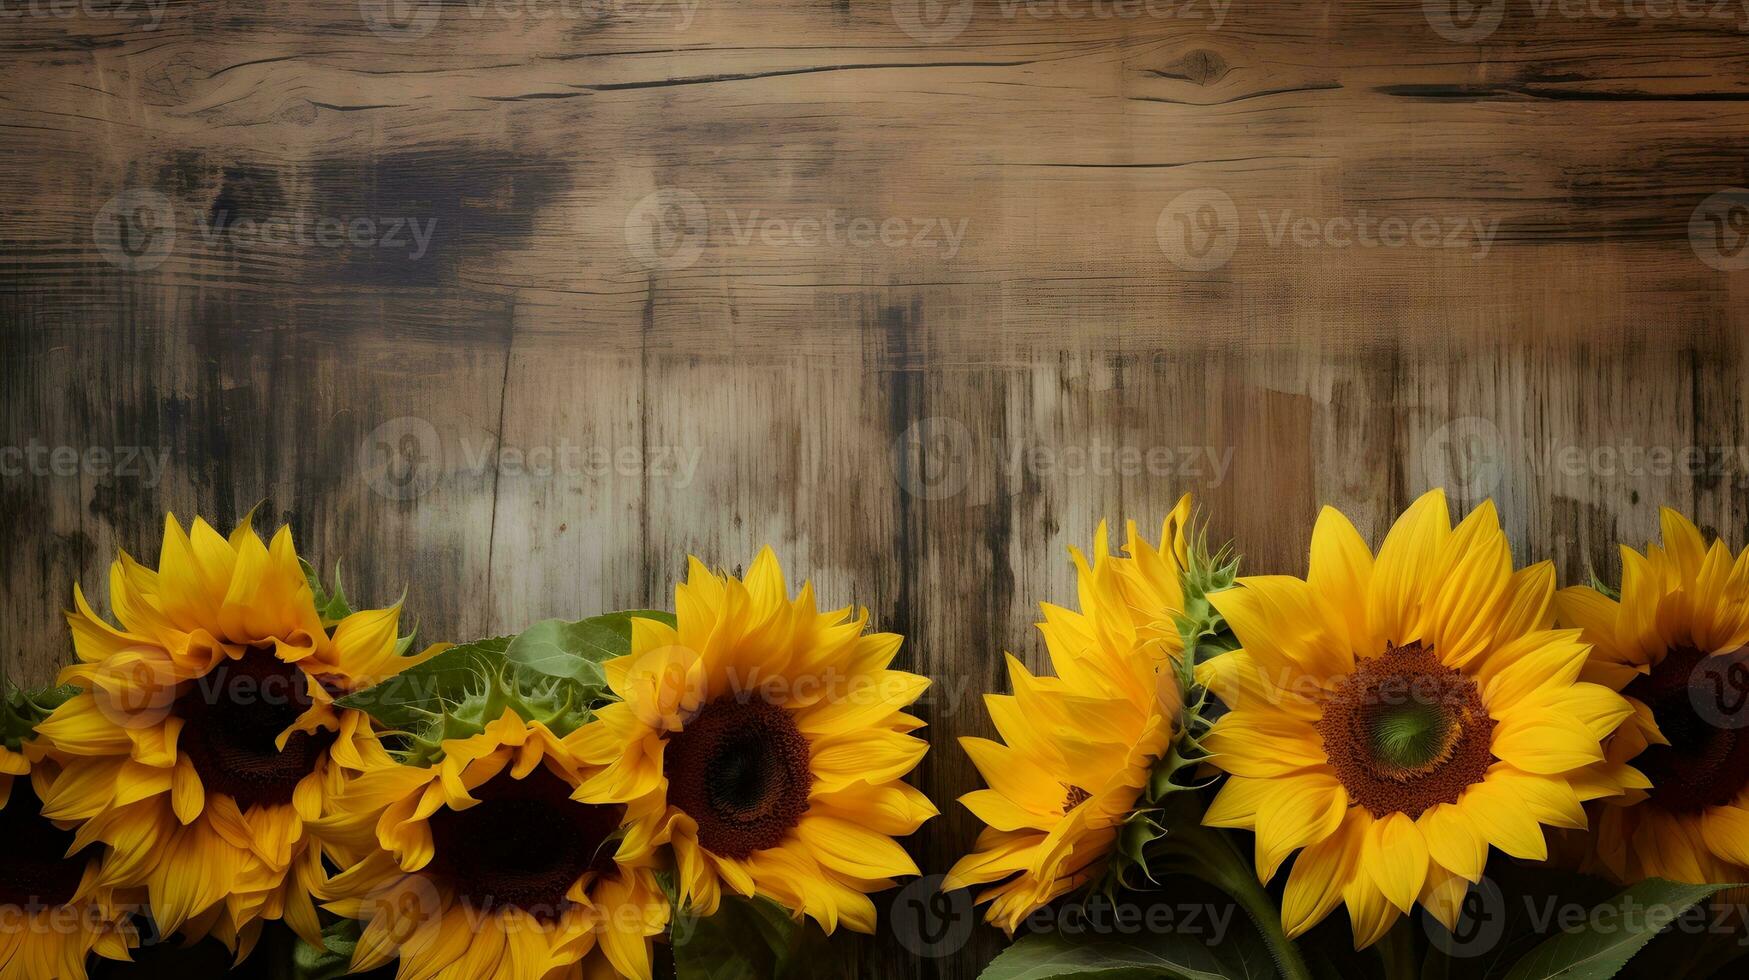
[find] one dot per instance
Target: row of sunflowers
(239, 757)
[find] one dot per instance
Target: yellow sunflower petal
(1321, 874)
(1395, 856)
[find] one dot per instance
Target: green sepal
(1203, 633)
(562, 707)
(1600, 585)
(1207, 572)
(1201, 626)
(332, 606)
(22, 710)
(334, 959)
(552, 673)
(420, 693)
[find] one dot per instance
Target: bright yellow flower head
(767, 742)
(482, 867)
(207, 734)
(1396, 717)
(53, 912)
(1673, 646)
(1081, 745)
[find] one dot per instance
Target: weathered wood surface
(917, 427)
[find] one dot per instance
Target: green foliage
(416, 695)
(1204, 634)
(751, 939)
(1613, 932)
(22, 710)
(576, 650)
(552, 673)
(1601, 586)
(1176, 955)
(331, 606)
(339, 939)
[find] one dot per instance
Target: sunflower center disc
(1707, 761)
(231, 719)
(524, 844)
(1406, 732)
(740, 770)
(33, 873)
(1074, 797)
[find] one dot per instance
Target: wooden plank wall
(642, 258)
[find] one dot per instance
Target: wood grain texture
(918, 426)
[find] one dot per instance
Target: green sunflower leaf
(551, 673)
(576, 650)
(1612, 932)
(750, 939)
(1179, 956)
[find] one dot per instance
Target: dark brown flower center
(33, 871)
(524, 844)
(1406, 732)
(1701, 711)
(1075, 797)
(232, 717)
(740, 770)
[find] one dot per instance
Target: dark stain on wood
(801, 374)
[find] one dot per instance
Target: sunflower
(1671, 644)
(207, 736)
(1079, 746)
(1396, 717)
(482, 867)
(766, 742)
(53, 912)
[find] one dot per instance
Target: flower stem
(1210, 855)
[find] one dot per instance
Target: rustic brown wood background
(917, 428)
